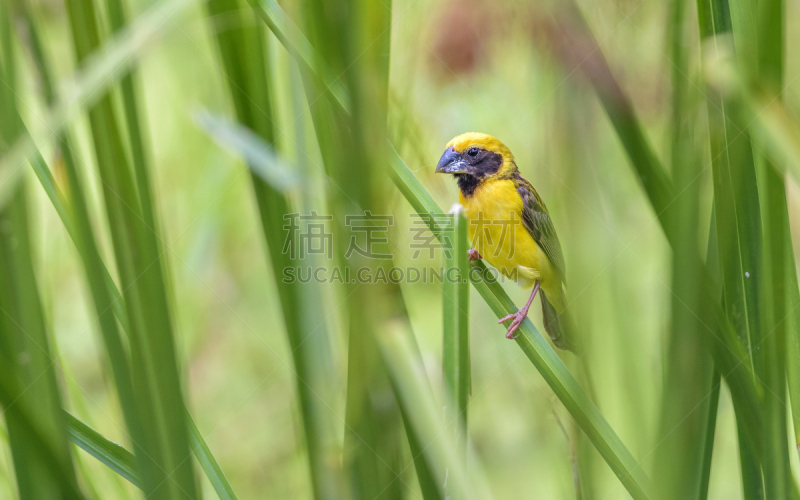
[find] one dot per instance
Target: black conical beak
(451, 163)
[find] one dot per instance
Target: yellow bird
(509, 227)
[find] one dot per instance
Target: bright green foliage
(30, 394)
(243, 53)
(688, 412)
(455, 301)
(33, 403)
(415, 397)
(371, 418)
(161, 439)
(111, 454)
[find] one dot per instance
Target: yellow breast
(494, 213)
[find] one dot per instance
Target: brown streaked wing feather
(537, 221)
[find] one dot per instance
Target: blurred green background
(456, 66)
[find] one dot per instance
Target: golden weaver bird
(509, 227)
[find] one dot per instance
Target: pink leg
(520, 315)
(474, 255)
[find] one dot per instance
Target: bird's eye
(472, 152)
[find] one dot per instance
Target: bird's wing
(537, 221)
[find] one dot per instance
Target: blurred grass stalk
(455, 354)
(350, 122)
(372, 448)
(753, 247)
(355, 46)
(29, 372)
(244, 56)
(159, 430)
(759, 84)
(414, 393)
(758, 39)
(112, 455)
(778, 135)
(576, 48)
(28, 383)
(688, 412)
(766, 32)
(85, 87)
(74, 214)
(738, 226)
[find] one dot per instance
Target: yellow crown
(463, 142)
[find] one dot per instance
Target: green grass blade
(773, 125)
(708, 436)
(413, 394)
(166, 469)
(426, 476)
(79, 229)
(123, 462)
(777, 239)
(353, 148)
(464, 387)
(258, 155)
(42, 463)
(243, 54)
(109, 453)
(738, 214)
(779, 131)
(23, 337)
(793, 346)
(292, 38)
(203, 454)
(47, 181)
(680, 468)
(87, 86)
(74, 215)
(32, 427)
(778, 258)
(758, 36)
(779, 134)
(712, 262)
(577, 49)
(566, 388)
(118, 22)
(731, 156)
(455, 302)
(208, 463)
(450, 342)
(743, 23)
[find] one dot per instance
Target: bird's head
(474, 158)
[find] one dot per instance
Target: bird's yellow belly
(497, 232)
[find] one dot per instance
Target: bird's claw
(474, 255)
(518, 318)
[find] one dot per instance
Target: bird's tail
(558, 324)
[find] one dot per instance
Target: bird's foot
(518, 317)
(474, 255)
